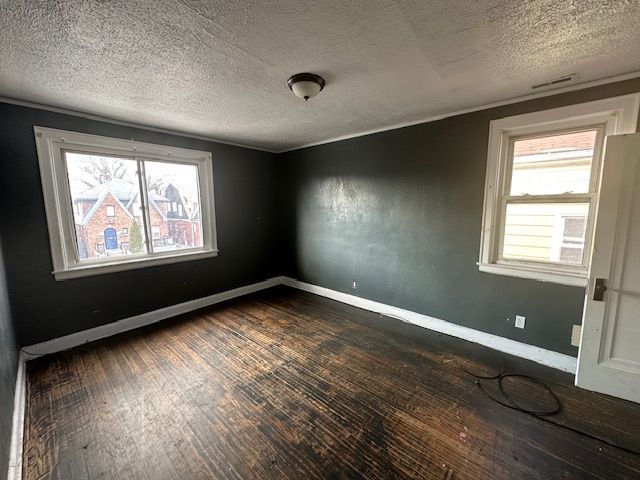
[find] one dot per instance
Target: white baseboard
(17, 429)
(103, 331)
(549, 358)
(563, 362)
(557, 360)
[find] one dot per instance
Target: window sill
(575, 279)
(134, 264)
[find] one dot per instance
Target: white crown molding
(432, 118)
(560, 361)
(17, 429)
(486, 106)
(123, 123)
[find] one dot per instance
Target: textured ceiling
(219, 68)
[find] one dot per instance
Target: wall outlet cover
(520, 321)
(576, 333)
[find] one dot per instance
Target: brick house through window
(107, 216)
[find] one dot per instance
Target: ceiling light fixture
(306, 85)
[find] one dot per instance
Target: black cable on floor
(539, 414)
(501, 371)
(514, 405)
(483, 377)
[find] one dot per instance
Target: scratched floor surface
(285, 384)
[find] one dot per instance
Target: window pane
(545, 232)
(105, 193)
(553, 164)
(174, 204)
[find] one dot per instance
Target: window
(541, 191)
(550, 176)
(571, 247)
(102, 195)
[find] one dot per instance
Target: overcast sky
(184, 177)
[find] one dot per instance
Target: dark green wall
(244, 182)
(8, 370)
(400, 212)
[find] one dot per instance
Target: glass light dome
(306, 85)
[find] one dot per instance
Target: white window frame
(617, 115)
(51, 144)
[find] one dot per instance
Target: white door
(609, 358)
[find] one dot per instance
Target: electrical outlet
(520, 321)
(354, 285)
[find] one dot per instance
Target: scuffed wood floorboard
(287, 385)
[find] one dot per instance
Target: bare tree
(156, 184)
(101, 170)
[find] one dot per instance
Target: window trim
(617, 115)
(590, 197)
(50, 145)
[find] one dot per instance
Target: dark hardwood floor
(284, 384)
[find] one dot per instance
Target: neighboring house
(182, 228)
(106, 214)
(549, 232)
(195, 224)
